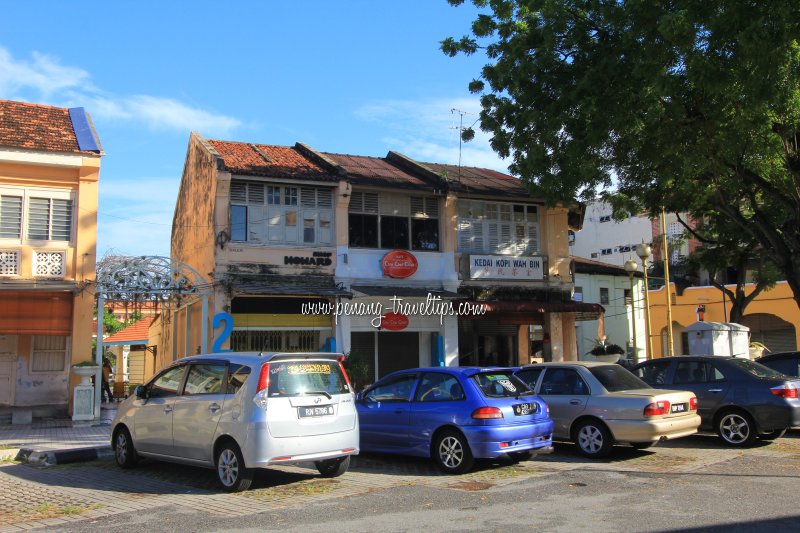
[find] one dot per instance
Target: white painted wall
(618, 323)
(596, 236)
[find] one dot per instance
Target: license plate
(524, 409)
(679, 408)
(317, 410)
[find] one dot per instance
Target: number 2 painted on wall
(226, 333)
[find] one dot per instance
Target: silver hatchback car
(236, 412)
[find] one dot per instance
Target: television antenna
(460, 129)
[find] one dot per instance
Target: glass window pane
(394, 232)
(425, 234)
(39, 219)
(238, 223)
(10, 217)
(236, 377)
(205, 379)
(167, 383)
(62, 220)
(290, 196)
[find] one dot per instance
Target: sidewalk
(58, 441)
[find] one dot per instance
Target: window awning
(407, 292)
(583, 311)
(36, 313)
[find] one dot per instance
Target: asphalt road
(692, 484)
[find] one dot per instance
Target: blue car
(454, 415)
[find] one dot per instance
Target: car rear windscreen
(756, 369)
(616, 378)
(501, 385)
(296, 378)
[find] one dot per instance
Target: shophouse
(259, 221)
(49, 171)
(622, 297)
(310, 250)
(512, 259)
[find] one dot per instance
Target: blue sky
(357, 77)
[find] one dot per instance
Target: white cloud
(45, 80)
(429, 130)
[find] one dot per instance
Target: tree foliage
(686, 105)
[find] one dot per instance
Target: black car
(784, 362)
(739, 399)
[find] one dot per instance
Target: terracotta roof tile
(136, 333)
(267, 160)
(37, 127)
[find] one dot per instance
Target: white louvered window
(393, 221)
(498, 228)
(49, 353)
(278, 214)
(10, 216)
(36, 214)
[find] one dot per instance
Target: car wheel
(520, 456)
(736, 428)
(643, 445)
(124, 452)
(593, 439)
(231, 472)
(333, 467)
(451, 452)
(772, 435)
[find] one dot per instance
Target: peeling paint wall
(39, 388)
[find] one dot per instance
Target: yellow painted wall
(778, 301)
(80, 175)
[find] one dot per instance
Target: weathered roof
(380, 172)
(479, 180)
(136, 333)
(270, 161)
(590, 266)
(41, 127)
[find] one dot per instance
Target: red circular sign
(394, 322)
(399, 264)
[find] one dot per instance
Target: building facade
(385, 257)
(49, 174)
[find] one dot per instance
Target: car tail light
(693, 403)
(344, 373)
(260, 399)
(784, 391)
(483, 413)
(263, 378)
(657, 408)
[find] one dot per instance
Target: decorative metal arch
(147, 278)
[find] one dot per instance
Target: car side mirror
(140, 392)
(358, 396)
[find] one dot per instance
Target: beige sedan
(597, 405)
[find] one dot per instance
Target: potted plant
(85, 370)
(605, 351)
(357, 369)
(757, 349)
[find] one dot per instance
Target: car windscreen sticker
(310, 368)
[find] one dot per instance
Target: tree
(688, 105)
(725, 247)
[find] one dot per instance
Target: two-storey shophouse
(49, 172)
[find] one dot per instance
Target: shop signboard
(506, 267)
(394, 322)
(399, 264)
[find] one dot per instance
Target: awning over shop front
(36, 313)
(407, 292)
(583, 311)
(291, 290)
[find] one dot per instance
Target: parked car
(596, 405)
(236, 412)
(454, 415)
(784, 362)
(739, 399)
